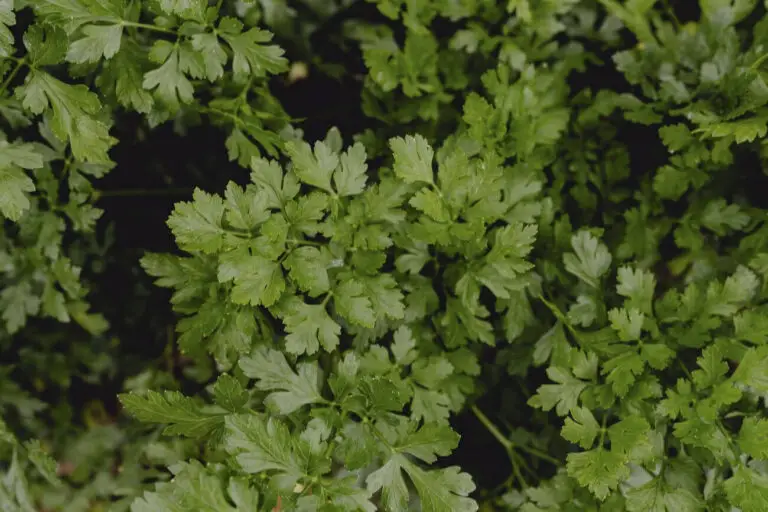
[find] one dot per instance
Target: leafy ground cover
(437, 255)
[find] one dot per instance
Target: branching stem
(508, 445)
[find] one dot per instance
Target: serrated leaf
(314, 168)
(262, 445)
(309, 326)
(14, 187)
(413, 159)
(753, 437)
(429, 441)
(214, 56)
(590, 259)
(252, 56)
(74, 118)
(599, 470)
(257, 280)
(353, 304)
(290, 390)
(350, 177)
(196, 224)
(747, 490)
(229, 393)
(99, 41)
(564, 396)
(183, 415)
(582, 428)
(169, 83)
(308, 268)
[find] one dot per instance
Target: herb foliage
(550, 234)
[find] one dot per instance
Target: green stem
(19, 64)
(506, 443)
(516, 470)
(672, 15)
(146, 26)
(488, 424)
(602, 432)
(685, 370)
(758, 62)
(142, 192)
(304, 242)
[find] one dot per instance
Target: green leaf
(629, 434)
(583, 429)
(75, 110)
(308, 268)
(214, 56)
(316, 168)
(443, 489)
(712, 368)
(257, 280)
(638, 287)
(753, 437)
(675, 136)
(171, 86)
(628, 324)
(280, 187)
(747, 490)
(186, 9)
(439, 490)
(353, 304)
(42, 461)
(429, 441)
(252, 57)
(590, 259)
(720, 217)
(564, 396)
(14, 182)
(229, 393)
(308, 327)
(599, 470)
(244, 209)
(183, 415)
(351, 176)
(260, 445)
(430, 202)
(430, 405)
(197, 224)
(99, 41)
(655, 496)
(389, 479)
(194, 487)
(413, 159)
(7, 19)
(753, 369)
(290, 390)
(622, 371)
(124, 72)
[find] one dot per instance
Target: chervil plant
(530, 272)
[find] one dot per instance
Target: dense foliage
(340, 255)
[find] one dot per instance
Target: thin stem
(602, 432)
(508, 444)
(685, 370)
(488, 424)
(19, 64)
(516, 470)
(304, 242)
(530, 450)
(143, 192)
(672, 14)
(758, 62)
(147, 26)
